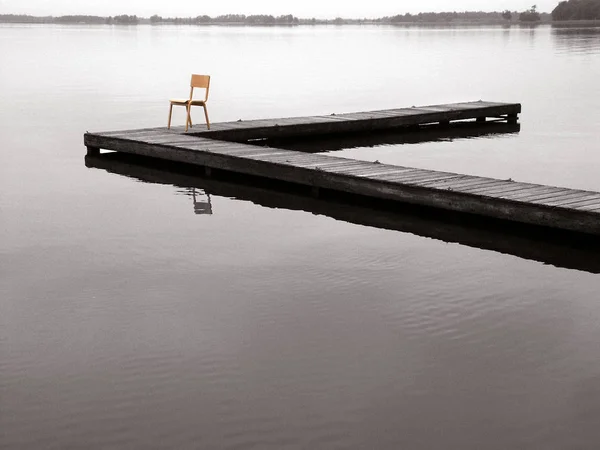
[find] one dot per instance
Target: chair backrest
(201, 82)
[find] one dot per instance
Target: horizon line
(273, 15)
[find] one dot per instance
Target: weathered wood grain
(585, 196)
(464, 182)
(528, 191)
(566, 195)
(549, 193)
(584, 201)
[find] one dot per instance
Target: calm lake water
(127, 321)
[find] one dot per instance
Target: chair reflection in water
(201, 200)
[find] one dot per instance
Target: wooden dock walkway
(218, 148)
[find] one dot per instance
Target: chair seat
(181, 101)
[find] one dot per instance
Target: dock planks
(218, 148)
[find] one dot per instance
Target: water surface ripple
(140, 315)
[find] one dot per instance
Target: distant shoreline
(586, 23)
(423, 19)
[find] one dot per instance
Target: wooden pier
(225, 147)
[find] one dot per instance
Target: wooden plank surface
(463, 182)
(585, 200)
(582, 198)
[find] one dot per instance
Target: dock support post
(512, 119)
(93, 151)
(445, 123)
(481, 119)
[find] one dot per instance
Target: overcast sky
(300, 8)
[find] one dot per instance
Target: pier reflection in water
(533, 243)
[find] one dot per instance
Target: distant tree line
(566, 10)
(90, 20)
(430, 17)
(80, 19)
(577, 10)
(123, 20)
(228, 19)
(22, 18)
(531, 15)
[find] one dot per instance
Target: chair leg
(187, 118)
(170, 114)
(206, 115)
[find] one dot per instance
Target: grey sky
(301, 8)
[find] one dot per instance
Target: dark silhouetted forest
(577, 10)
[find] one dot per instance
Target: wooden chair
(198, 81)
